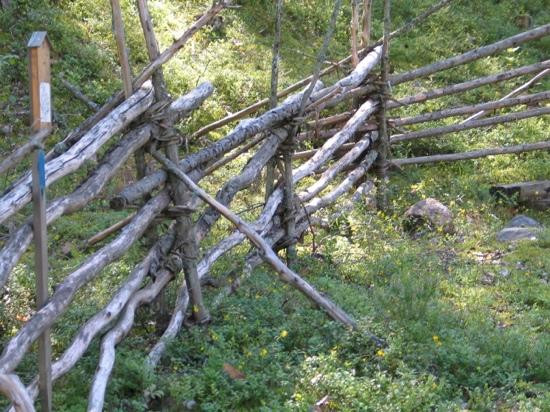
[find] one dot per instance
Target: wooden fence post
(41, 118)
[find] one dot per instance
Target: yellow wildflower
(263, 352)
(436, 340)
(381, 353)
(283, 334)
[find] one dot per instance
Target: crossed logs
(346, 147)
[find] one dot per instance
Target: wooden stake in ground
(270, 169)
(39, 68)
(354, 32)
(384, 146)
(367, 23)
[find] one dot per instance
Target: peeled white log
(115, 335)
(19, 195)
(13, 388)
(103, 318)
(17, 346)
(331, 145)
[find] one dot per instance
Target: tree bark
(14, 158)
(11, 386)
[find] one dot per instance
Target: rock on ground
(429, 212)
(520, 227)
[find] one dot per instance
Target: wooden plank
(41, 118)
(118, 29)
(40, 85)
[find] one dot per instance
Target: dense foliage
(466, 318)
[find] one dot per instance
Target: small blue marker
(41, 171)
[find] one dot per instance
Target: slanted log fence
(345, 147)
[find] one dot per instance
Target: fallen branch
(109, 231)
(79, 95)
(453, 157)
(438, 131)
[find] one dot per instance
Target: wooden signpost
(41, 118)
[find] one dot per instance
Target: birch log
(21, 239)
(87, 146)
(16, 347)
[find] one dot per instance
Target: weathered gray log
(248, 128)
(107, 353)
(328, 121)
(233, 155)
(262, 224)
(481, 107)
(145, 74)
(20, 240)
(328, 133)
(268, 255)
(87, 146)
(12, 387)
(468, 85)
(13, 159)
(249, 174)
(306, 154)
(513, 93)
(472, 55)
(17, 346)
(475, 154)
(438, 131)
(103, 318)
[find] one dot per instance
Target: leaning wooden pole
(268, 255)
(270, 169)
(384, 139)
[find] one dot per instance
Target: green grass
(465, 318)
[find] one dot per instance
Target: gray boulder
(520, 227)
(429, 212)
